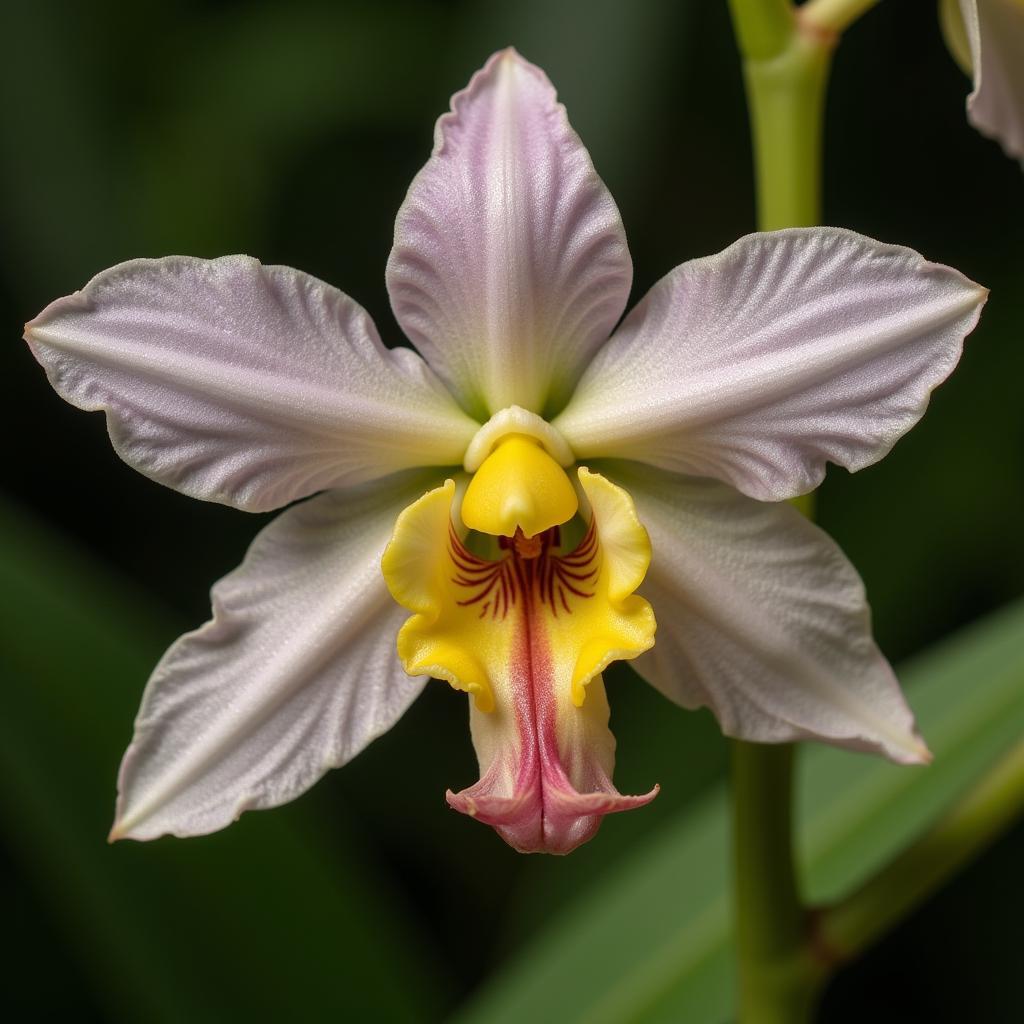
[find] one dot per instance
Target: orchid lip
(526, 792)
(527, 635)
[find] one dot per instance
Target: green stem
(786, 59)
(763, 27)
(786, 72)
(786, 96)
(974, 821)
(778, 975)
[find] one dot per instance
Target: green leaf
(650, 941)
(274, 919)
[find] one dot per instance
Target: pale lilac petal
(510, 263)
(762, 618)
(787, 350)
(295, 674)
(995, 34)
(244, 384)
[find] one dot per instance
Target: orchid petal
(510, 264)
(787, 350)
(995, 35)
(295, 674)
(244, 384)
(762, 618)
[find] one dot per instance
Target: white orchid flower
(530, 487)
(987, 39)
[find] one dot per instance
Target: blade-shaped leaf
(651, 940)
(272, 919)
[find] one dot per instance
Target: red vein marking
(526, 570)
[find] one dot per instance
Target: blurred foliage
(290, 131)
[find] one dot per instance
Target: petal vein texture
(761, 364)
(243, 384)
(510, 265)
(762, 619)
(295, 674)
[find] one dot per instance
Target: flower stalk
(778, 974)
(785, 951)
(786, 95)
(786, 66)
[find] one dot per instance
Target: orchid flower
(532, 484)
(987, 39)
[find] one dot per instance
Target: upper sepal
(510, 265)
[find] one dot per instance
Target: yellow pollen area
(519, 486)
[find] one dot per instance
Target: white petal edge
(243, 384)
(995, 35)
(762, 363)
(762, 619)
(295, 674)
(510, 265)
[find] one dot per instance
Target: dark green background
(290, 132)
